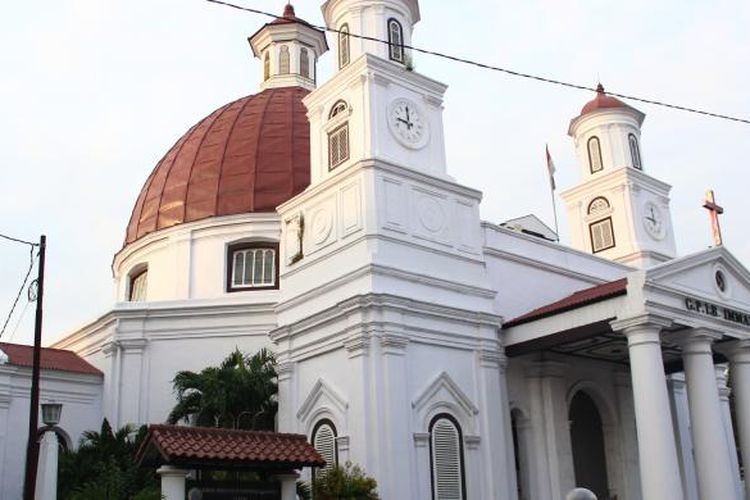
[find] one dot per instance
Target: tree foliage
(344, 483)
(103, 467)
(237, 394)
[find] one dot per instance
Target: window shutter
(325, 443)
(446, 461)
(602, 235)
(595, 154)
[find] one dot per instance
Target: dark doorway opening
(587, 439)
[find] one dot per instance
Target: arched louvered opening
(446, 459)
(635, 152)
(324, 440)
(595, 155)
(267, 67)
(304, 63)
(395, 41)
(344, 46)
(284, 64)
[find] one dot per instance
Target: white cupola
(617, 211)
(289, 48)
(387, 20)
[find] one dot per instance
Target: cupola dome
(247, 156)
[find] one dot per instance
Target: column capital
(738, 351)
(640, 322)
(171, 471)
(696, 340)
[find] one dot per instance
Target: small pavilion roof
(203, 448)
(51, 359)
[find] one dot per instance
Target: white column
(657, 453)
(172, 482)
(288, 486)
(709, 445)
(739, 372)
(46, 476)
(726, 416)
(681, 421)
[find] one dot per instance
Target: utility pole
(32, 448)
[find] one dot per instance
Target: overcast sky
(94, 92)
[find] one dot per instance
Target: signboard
(716, 311)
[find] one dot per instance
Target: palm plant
(237, 394)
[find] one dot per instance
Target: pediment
(696, 276)
(322, 395)
(444, 389)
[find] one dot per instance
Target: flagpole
(554, 210)
(552, 186)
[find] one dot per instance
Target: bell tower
(617, 211)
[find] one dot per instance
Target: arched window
(252, 266)
(395, 40)
(446, 458)
(598, 205)
(587, 443)
(344, 53)
(635, 152)
(595, 155)
(323, 440)
(138, 286)
(284, 60)
(601, 231)
(267, 67)
(338, 138)
(304, 62)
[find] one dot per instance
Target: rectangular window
(252, 267)
(338, 146)
(602, 235)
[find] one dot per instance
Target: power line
(20, 290)
(17, 240)
(498, 68)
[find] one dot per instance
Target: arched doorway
(587, 440)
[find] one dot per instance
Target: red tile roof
(201, 446)
(574, 301)
(51, 359)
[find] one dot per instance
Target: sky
(93, 93)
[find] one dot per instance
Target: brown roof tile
(51, 359)
(196, 446)
(574, 301)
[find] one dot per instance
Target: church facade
(451, 357)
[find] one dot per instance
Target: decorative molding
(640, 321)
(321, 389)
(358, 344)
(342, 442)
(444, 381)
(394, 343)
(421, 439)
(472, 442)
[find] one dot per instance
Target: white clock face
(407, 123)
(653, 221)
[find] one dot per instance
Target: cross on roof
(714, 211)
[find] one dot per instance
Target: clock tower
(618, 211)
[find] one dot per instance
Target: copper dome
(247, 156)
(602, 101)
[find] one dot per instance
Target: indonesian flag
(550, 167)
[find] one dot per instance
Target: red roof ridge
(575, 300)
(52, 358)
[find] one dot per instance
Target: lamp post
(46, 478)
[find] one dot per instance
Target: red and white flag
(550, 168)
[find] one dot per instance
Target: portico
(687, 315)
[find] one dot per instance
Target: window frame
(393, 45)
(235, 247)
(635, 151)
(591, 234)
(132, 277)
(344, 41)
(285, 60)
(320, 423)
(304, 58)
(462, 462)
(334, 131)
(602, 211)
(598, 151)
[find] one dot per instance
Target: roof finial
(600, 88)
(289, 10)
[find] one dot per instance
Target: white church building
(451, 357)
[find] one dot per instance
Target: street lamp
(46, 477)
(51, 414)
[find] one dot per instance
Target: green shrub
(344, 483)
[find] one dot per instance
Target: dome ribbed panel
(248, 156)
